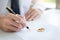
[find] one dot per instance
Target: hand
(11, 22)
(32, 14)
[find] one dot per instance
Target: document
(9, 36)
(51, 33)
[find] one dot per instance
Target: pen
(10, 10)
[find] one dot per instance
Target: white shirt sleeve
(39, 6)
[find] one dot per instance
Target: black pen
(11, 11)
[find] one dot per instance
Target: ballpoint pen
(11, 11)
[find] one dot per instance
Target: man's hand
(11, 22)
(32, 14)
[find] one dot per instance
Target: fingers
(18, 19)
(33, 17)
(23, 21)
(7, 30)
(12, 28)
(29, 13)
(15, 26)
(34, 14)
(12, 23)
(13, 17)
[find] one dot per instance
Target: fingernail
(32, 20)
(20, 27)
(29, 20)
(16, 14)
(17, 22)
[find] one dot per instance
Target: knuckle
(24, 24)
(5, 30)
(9, 14)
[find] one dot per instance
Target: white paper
(9, 36)
(51, 33)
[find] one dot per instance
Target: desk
(50, 20)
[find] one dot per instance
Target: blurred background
(49, 4)
(58, 4)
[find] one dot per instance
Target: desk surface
(50, 20)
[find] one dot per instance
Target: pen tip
(28, 27)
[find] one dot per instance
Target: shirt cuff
(39, 6)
